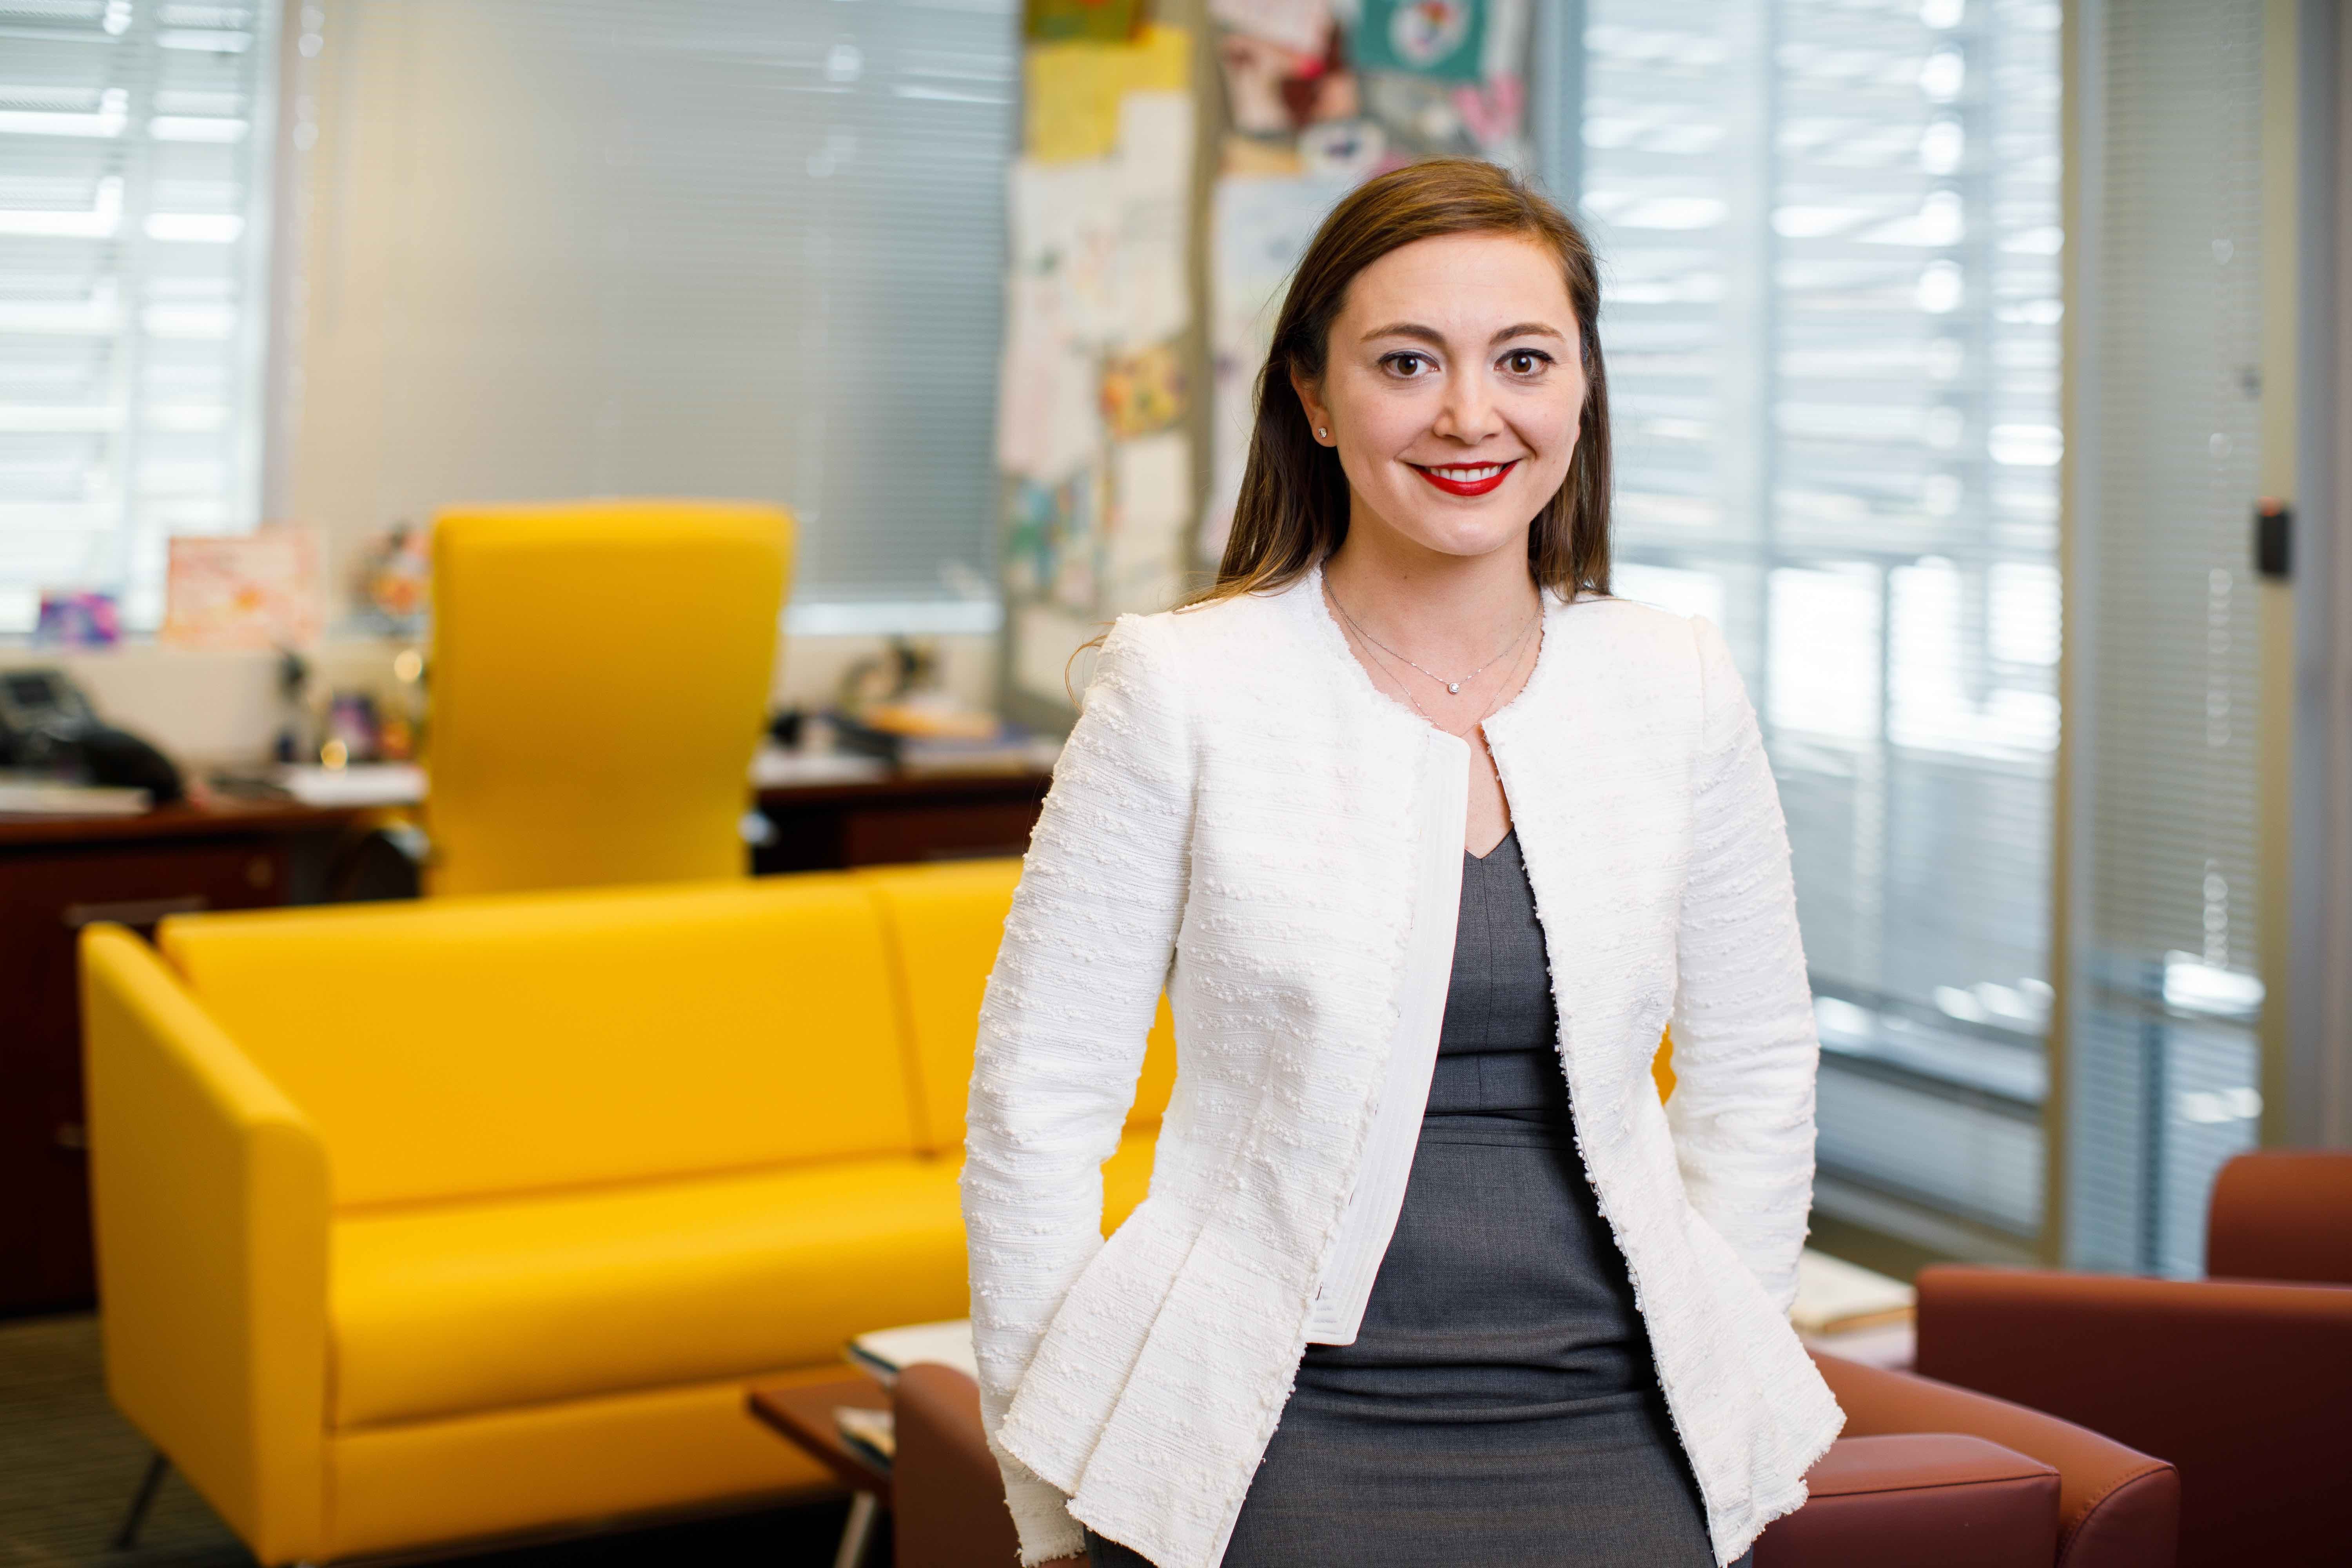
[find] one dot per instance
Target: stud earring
(1321, 432)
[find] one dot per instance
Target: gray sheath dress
(1498, 1406)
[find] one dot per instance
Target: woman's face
(1452, 387)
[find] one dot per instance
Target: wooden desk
(890, 821)
(59, 874)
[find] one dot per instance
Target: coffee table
(803, 1413)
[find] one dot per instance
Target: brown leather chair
(1929, 1477)
(947, 1499)
(2282, 1213)
(2245, 1385)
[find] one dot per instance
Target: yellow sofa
(430, 1222)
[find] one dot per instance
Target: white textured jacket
(1242, 818)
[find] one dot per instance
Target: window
(1831, 233)
(561, 248)
(135, 158)
(2166, 1002)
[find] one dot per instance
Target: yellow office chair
(599, 670)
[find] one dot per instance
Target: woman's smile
(1465, 478)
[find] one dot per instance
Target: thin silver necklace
(1453, 688)
(1431, 718)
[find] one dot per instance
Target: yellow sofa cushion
(465, 1308)
(945, 923)
(464, 1048)
(442, 1311)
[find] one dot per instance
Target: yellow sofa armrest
(209, 1193)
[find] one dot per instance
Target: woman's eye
(1408, 365)
(1525, 361)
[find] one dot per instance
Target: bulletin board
(1176, 158)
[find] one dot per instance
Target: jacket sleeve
(1062, 1030)
(1746, 1049)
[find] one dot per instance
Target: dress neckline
(1510, 833)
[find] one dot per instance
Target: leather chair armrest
(1920, 1500)
(209, 1194)
(947, 1493)
(2247, 1387)
(2118, 1508)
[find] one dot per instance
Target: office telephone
(48, 726)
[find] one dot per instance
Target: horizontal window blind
(1830, 231)
(134, 223)
(2163, 1053)
(731, 248)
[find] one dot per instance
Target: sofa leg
(858, 1533)
(128, 1536)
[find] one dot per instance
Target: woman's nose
(1467, 413)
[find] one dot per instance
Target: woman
(1426, 838)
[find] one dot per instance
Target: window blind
(710, 248)
(1830, 232)
(134, 181)
(2162, 1048)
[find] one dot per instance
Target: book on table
(872, 1433)
(1835, 1297)
(884, 1351)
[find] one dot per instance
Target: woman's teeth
(1469, 475)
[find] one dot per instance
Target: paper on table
(1833, 1295)
(890, 1351)
(41, 797)
(362, 784)
(773, 768)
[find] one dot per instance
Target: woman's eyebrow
(1436, 339)
(1412, 330)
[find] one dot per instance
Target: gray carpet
(69, 1465)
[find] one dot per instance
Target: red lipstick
(1454, 487)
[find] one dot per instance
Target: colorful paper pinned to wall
(78, 617)
(1152, 490)
(1444, 39)
(258, 590)
(1072, 92)
(1303, 26)
(1144, 392)
(1261, 228)
(1066, 21)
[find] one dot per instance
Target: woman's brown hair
(1293, 510)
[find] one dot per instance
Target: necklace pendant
(1454, 686)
